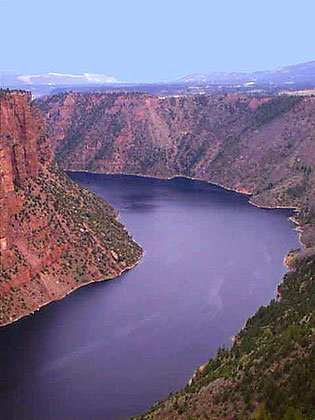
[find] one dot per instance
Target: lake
(111, 349)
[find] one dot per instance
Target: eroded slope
(55, 236)
(261, 145)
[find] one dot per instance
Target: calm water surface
(111, 349)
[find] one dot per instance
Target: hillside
(270, 369)
(260, 145)
(55, 236)
(263, 146)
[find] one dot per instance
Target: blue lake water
(111, 349)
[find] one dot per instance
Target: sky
(154, 40)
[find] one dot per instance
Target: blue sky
(153, 40)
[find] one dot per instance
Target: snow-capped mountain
(44, 83)
(60, 79)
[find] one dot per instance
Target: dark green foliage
(277, 106)
(7, 92)
(290, 414)
(272, 361)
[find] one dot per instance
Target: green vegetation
(8, 92)
(57, 213)
(290, 414)
(271, 364)
(277, 106)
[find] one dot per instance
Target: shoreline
(298, 227)
(238, 191)
(126, 269)
(286, 260)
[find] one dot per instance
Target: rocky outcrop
(54, 235)
(258, 145)
(18, 149)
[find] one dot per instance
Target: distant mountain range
(300, 76)
(299, 73)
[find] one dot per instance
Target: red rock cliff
(54, 236)
(18, 141)
(18, 158)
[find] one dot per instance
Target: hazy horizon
(50, 72)
(153, 42)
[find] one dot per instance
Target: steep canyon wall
(54, 235)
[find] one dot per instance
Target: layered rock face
(18, 148)
(259, 145)
(54, 235)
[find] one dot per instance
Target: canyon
(55, 236)
(259, 145)
(112, 349)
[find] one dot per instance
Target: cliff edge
(54, 235)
